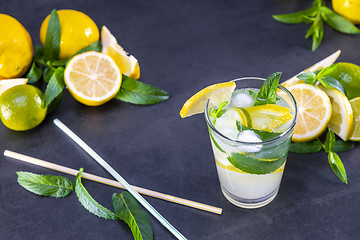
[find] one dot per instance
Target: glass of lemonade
(250, 143)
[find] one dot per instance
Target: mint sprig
(316, 15)
(323, 78)
(267, 92)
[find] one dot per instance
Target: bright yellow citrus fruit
(269, 117)
(217, 93)
(16, 48)
(341, 121)
(349, 9)
(22, 107)
(314, 111)
(92, 78)
(355, 132)
(9, 83)
(127, 64)
(78, 30)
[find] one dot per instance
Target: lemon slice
(217, 93)
(127, 64)
(269, 117)
(314, 111)
(341, 121)
(9, 83)
(92, 78)
(355, 132)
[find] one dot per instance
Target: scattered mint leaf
(48, 72)
(52, 40)
(330, 141)
(253, 165)
(337, 166)
(128, 209)
(89, 203)
(306, 147)
(308, 77)
(332, 82)
(343, 146)
(58, 63)
(316, 15)
(55, 86)
(45, 185)
(267, 92)
(337, 22)
(35, 73)
(136, 92)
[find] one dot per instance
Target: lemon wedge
(355, 132)
(314, 111)
(341, 121)
(9, 83)
(268, 117)
(128, 64)
(92, 78)
(217, 93)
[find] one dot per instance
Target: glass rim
(207, 118)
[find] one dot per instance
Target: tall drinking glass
(250, 167)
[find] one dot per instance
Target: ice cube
(248, 136)
(229, 132)
(242, 99)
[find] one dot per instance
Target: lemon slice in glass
(217, 93)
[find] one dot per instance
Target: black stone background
(182, 46)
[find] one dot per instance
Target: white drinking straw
(110, 170)
(148, 192)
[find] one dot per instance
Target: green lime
(348, 75)
(22, 107)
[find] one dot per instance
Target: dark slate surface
(182, 47)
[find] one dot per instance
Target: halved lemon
(92, 78)
(9, 83)
(269, 117)
(355, 132)
(314, 111)
(127, 64)
(341, 121)
(217, 93)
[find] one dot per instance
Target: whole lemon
(22, 107)
(16, 48)
(349, 9)
(78, 30)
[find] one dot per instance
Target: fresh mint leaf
(264, 135)
(45, 185)
(318, 34)
(337, 22)
(330, 141)
(89, 203)
(48, 72)
(58, 63)
(35, 73)
(253, 165)
(136, 92)
(308, 77)
(54, 104)
(297, 17)
(55, 86)
(128, 209)
(337, 166)
(343, 146)
(267, 92)
(52, 40)
(332, 82)
(305, 147)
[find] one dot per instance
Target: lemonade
(250, 141)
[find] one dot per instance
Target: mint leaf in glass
(45, 185)
(267, 92)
